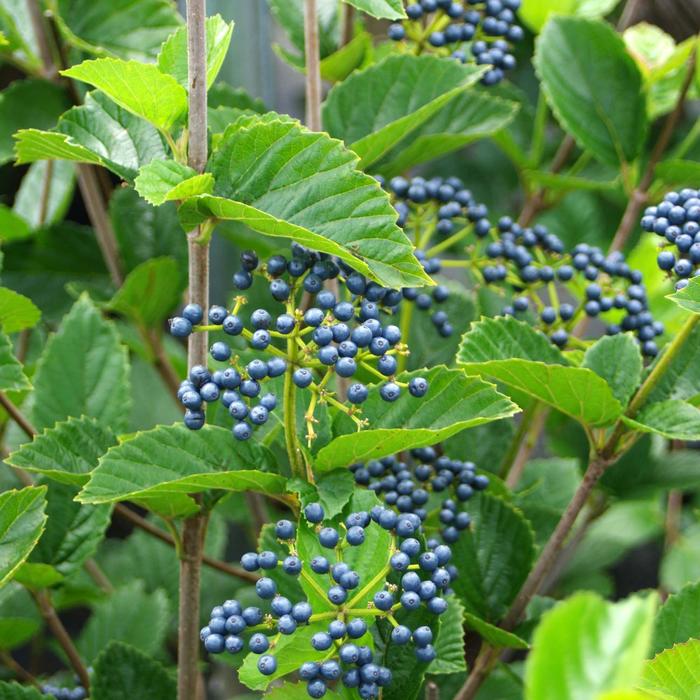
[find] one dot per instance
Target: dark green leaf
(22, 520)
(376, 108)
(149, 292)
(332, 491)
(11, 375)
(283, 183)
(494, 557)
(118, 27)
(606, 652)
(681, 378)
(617, 360)
(453, 403)
(449, 644)
(290, 15)
(14, 691)
(28, 104)
(58, 180)
(15, 632)
(675, 420)
(593, 86)
(140, 88)
(128, 615)
(122, 671)
(678, 619)
(83, 371)
(677, 172)
(172, 58)
(494, 635)
(160, 467)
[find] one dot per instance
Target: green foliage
(675, 672)
(678, 619)
(11, 375)
(167, 181)
(689, 297)
(617, 360)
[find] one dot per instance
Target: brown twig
(432, 691)
(48, 612)
(98, 576)
(19, 670)
(17, 416)
(347, 22)
(45, 192)
(527, 446)
(313, 66)
(37, 20)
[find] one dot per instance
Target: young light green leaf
(283, 180)
(338, 65)
(118, 27)
(72, 531)
(172, 58)
(495, 556)
(688, 298)
(66, 452)
(449, 644)
(130, 615)
(376, 108)
(606, 653)
(454, 402)
(167, 180)
(381, 9)
(37, 576)
(98, 132)
(535, 14)
(83, 370)
(160, 467)
(22, 520)
(17, 312)
(11, 375)
(675, 420)
(593, 86)
(122, 671)
(674, 672)
(677, 172)
(471, 115)
(13, 226)
(617, 360)
(57, 180)
(492, 634)
(678, 619)
(28, 104)
(523, 358)
(140, 88)
(149, 292)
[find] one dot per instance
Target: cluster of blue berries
(341, 332)
(407, 487)
(478, 30)
(677, 220)
(59, 693)
(532, 260)
(231, 621)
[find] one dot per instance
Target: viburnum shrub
(398, 401)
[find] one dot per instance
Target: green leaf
(283, 180)
(374, 109)
(492, 634)
(453, 403)
(57, 180)
(15, 22)
(172, 58)
(15, 632)
(73, 531)
(675, 671)
(688, 298)
(617, 360)
(13, 226)
(14, 691)
(16, 311)
(567, 183)
(606, 652)
(149, 292)
(37, 576)
(167, 180)
(593, 86)
(22, 520)
(11, 375)
(521, 357)
(332, 491)
(28, 104)
(449, 644)
(678, 619)
(83, 370)
(338, 65)
(649, 45)
(471, 115)
(129, 615)
(118, 27)
(676, 172)
(290, 15)
(381, 9)
(535, 13)
(289, 691)
(98, 132)
(681, 562)
(122, 671)
(66, 452)
(675, 420)
(494, 557)
(160, 467)
(681, 379)
(140, 88)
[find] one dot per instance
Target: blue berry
(328, 537)
(301, 612)
(356, 628)
(193, 313)
(321, 641)
(265, 588)
(258, 643)
(302, 377)
(314, 512)
(267, 665)
(180, 327)
(357, 393)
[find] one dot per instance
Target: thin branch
(37, 20)
(19, 670)
(17, 416)
(98, 576)
(313, 66)
(527, 445)
(45, 192)
(432, 691)
(639, 196)
(48, 612)
(347, 22)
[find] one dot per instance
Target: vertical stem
(45, 192)
(313, 66)
(37, 20)
(347, 22)
(291, 436)
(194, 527)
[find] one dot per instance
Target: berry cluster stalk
(194, 528)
